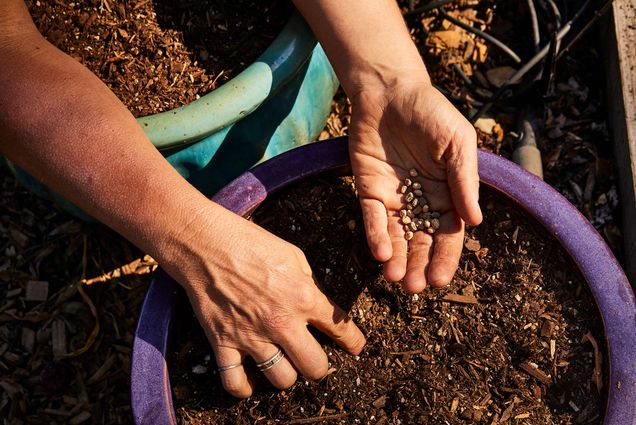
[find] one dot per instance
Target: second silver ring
(271, 362)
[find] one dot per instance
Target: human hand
(412, 125)
(253, 293)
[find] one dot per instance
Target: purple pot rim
(150, 389)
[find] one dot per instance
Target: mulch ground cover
(511, 339)
(157, 55)
(60, 278)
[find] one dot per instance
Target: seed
(403, 189)
(425, 208)
(427, 223)
(414, 202)
(413, 226)
(417, 210)
(403, 213)
(410, 213)
(413, 172)
(417, 185)
(407, 182)
(417, 192)
(409, 197)
(409, 206)
(406, 220)
(406, 228)
(408, 235)
(435, 223)
(430, 230)
(435, 214)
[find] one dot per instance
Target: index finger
(336, 323)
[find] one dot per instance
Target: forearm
(367, 42)
(65, 127)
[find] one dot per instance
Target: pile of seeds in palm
(415, 214)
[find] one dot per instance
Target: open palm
(414, 126)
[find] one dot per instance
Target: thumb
(463, 179)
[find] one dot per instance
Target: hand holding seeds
(415, 162)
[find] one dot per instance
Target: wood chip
(37, 290)
(547, 329)
(498, 76)
(58, 337)
(28, 339)
(81, 417)
(380, 402)
(454, 405)
(460, 299)
(472, 245)
(534, 371)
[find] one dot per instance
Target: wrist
(381, 78)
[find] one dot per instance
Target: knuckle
(305, 298)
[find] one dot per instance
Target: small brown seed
(403, 189)
(413, 226)
(413, 172)
(406, 227)
(407, 182)
(435, 223)
(417, 192)
(430, 230)
(435, 214)
(425, 208)
(410, 213)
(417, 185)
(406, 220)
(403, 213)
(408, 236)
(409, 197)
(414, 202)
(409, 206)
(417, 210)
(427, 223)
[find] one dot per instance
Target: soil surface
(505, 342)
(157, 55)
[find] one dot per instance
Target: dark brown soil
(157, 55)
(504, 343)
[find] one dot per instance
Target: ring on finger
(271, 362)
(228, 367)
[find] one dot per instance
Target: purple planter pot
(150, 382)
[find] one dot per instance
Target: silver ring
(271, 362)
(228, 367)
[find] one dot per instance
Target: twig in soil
(406, 353)
(536, 59)
(536, 37)
(555, 12)
(481, 34)
(598, 361)
(315, 419)
(597, 15)
(93, 336)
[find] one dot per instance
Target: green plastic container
(280, 101)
